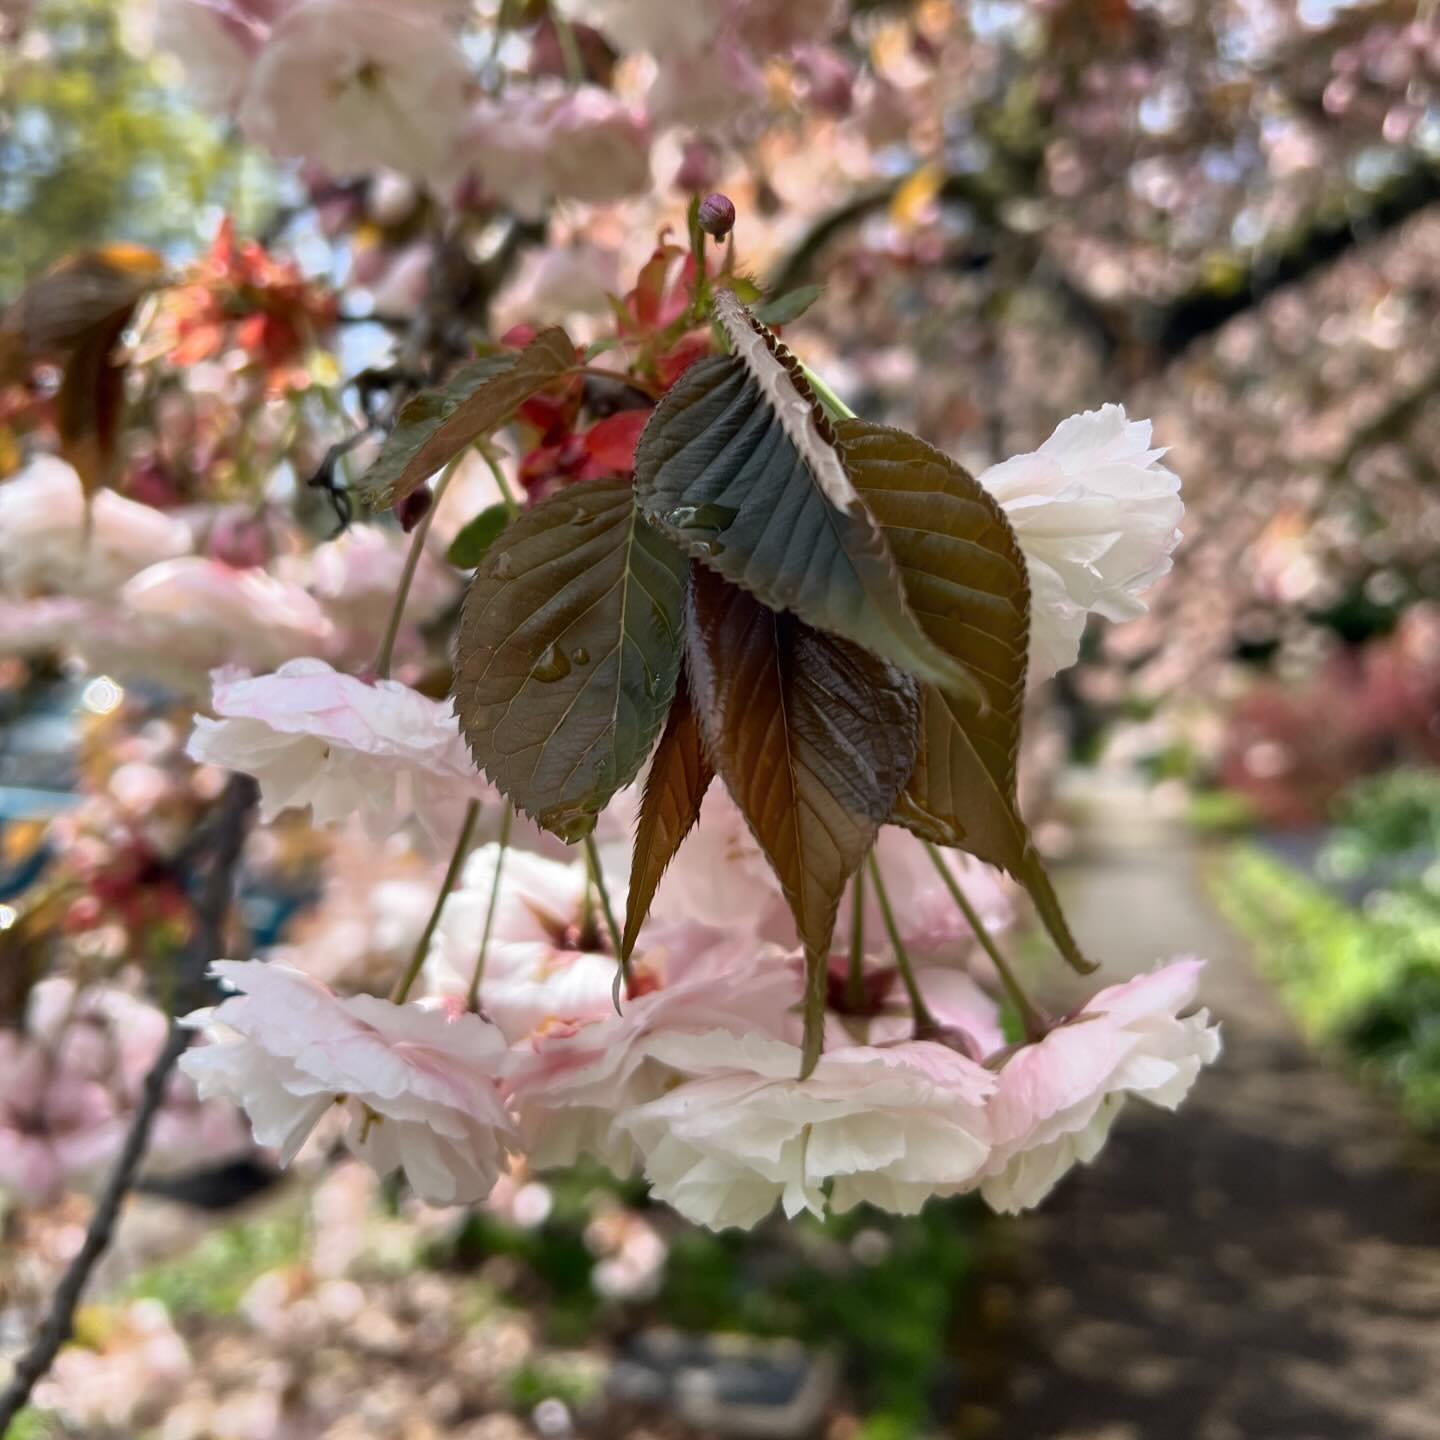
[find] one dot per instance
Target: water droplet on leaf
(504, 566)
(553, 664)
(580, 655)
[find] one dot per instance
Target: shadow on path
(1264, 1267)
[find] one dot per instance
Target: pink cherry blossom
(106, 1036)
(356, 85)
(720, 878)
(571, 1082)
(531, 146)
(1057, 1099)
(217, 42)
(660, 26)
(599, 148)
(416, 1081)
(57, 1126)
(1097, 516)
(188, 616)
(546, 964)
(44, 545)
(355, 576)
(709, 89)
(888, 1126)
(930, 922)
(340, 745)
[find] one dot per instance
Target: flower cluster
(356, 86)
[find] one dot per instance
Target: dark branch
(206, 946)
(1175, 326)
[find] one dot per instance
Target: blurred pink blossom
(357, 85)
(187, 616)
(44, 546)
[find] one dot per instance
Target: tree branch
(211, 913)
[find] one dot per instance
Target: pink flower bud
(717, 215)
(414, 507)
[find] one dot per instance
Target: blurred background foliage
(97, 146)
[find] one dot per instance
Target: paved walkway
(1264, 1267)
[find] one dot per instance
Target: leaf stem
(452, 874)
(817, 986)
(855, 979)
(621, 377)
(407, 575)
(1031, 1017)
(919, 1010)
(472, 995)
(827, 397)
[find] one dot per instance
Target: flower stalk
(406, 981)
(407, 576)
(1031, 1017)
(472, 995)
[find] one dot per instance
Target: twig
(211, 911)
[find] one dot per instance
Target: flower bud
(717, 215)
(414, 507)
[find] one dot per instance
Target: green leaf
(789, 306)
(680, 774)
(437, 425)
(813, 736)
(468, 548)
(568, 651)
(738, 464)
(965, 577)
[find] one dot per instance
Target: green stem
(452, 874)
(472, 995)
(827, 397)
(919, 1011)
(569, 49)
(1030, 1016)
(407, 575)
(855, 979)
(597, 878)
(502, 484)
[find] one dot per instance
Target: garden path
(1265, 1268)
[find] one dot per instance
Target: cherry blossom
(105, 1036)
(57, 1125)
(217, 42)
(340, 745)
(1097, 516)
(185, 617)
(46, 545)
(530, 146)
(1057, 1099)
(888, 1126)
(415, 1080)
(659, 26)
(599, 148)
(354, 577)
(572, 1082)
(928, 918)
(354, 85)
